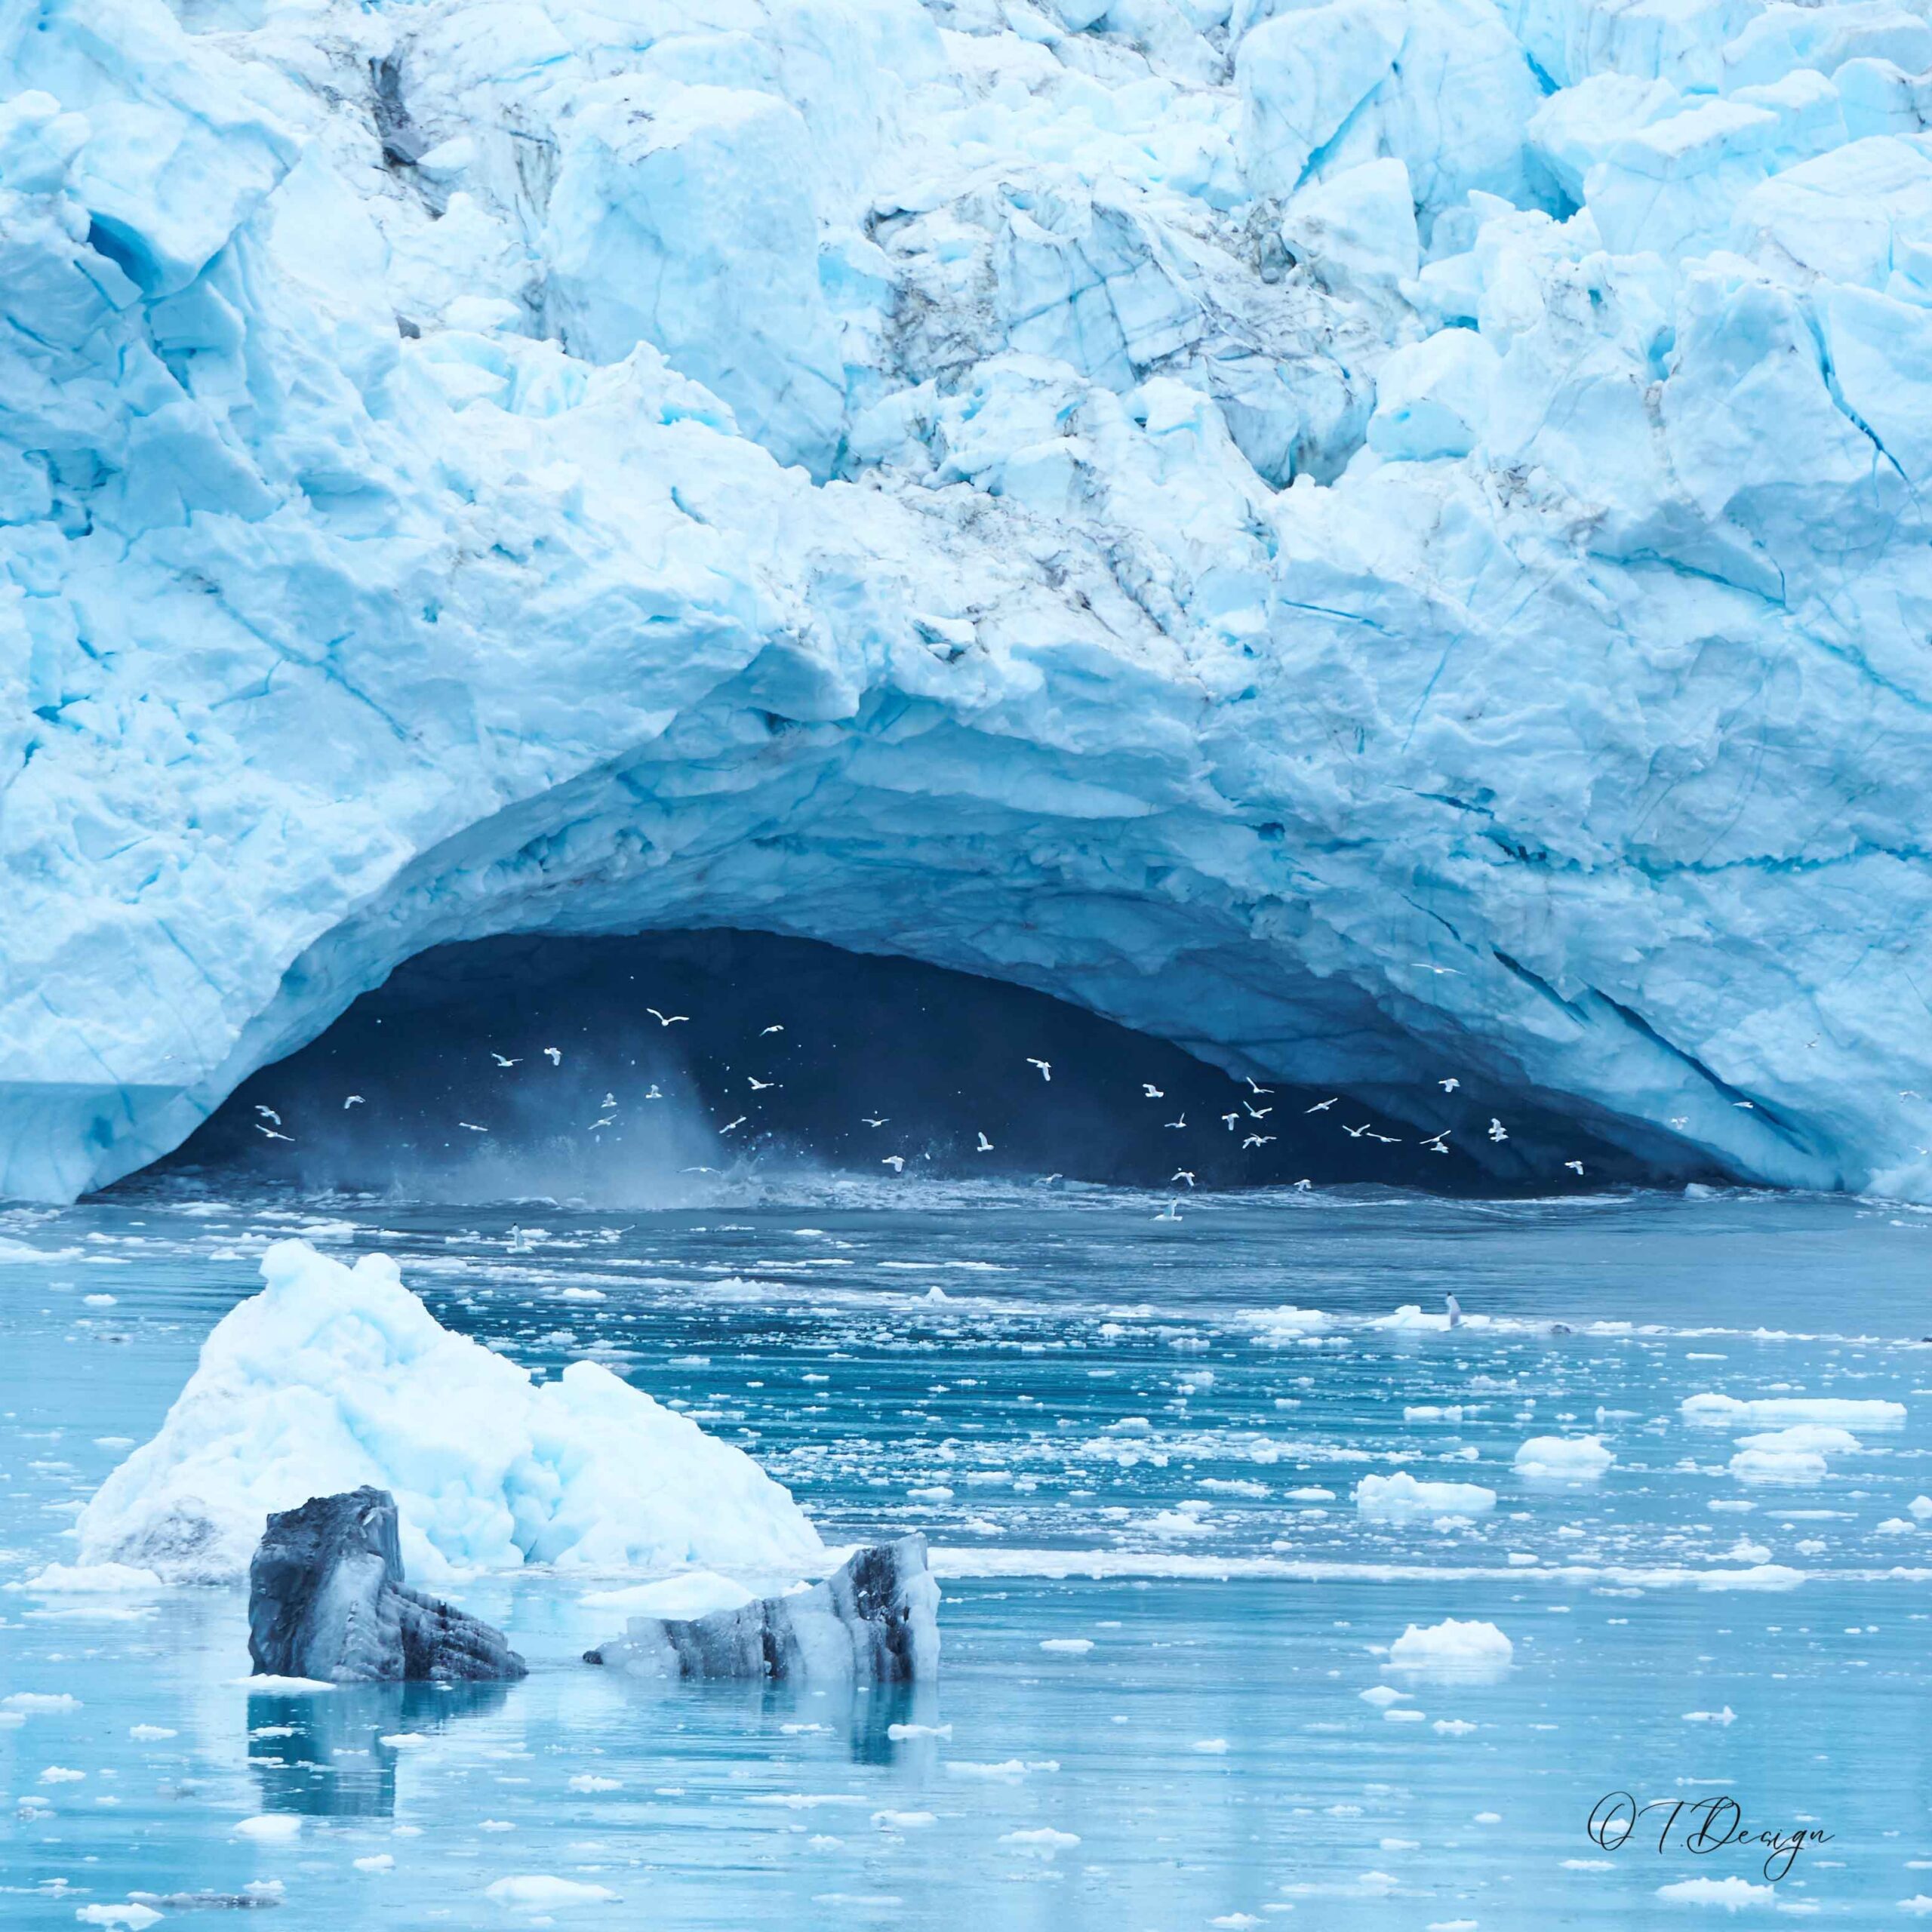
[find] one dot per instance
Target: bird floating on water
(609, 1120)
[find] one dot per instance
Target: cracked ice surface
(1211, 516)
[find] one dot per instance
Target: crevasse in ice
(1361, 538)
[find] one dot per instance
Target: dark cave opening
(533, 1066)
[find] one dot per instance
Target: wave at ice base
(334, 1376)
(1286, 500)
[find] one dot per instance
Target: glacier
(1366, 538)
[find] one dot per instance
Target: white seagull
(1497, 1131)
(1232, 1120)
(1181, 1173)
(268, 1113)
(730, 1125)
(1257, 1140)
(1258, 1113)
(985, 1145)
(1434, 1142)
(757, 1085)
(1455, 1311)
(870, 1122)
(555, 1055)
(1575, 1167)
(897, 1162)
(1322, 1106)
(1257, 1086)
(1173, 1212)
(271, 1134)
(1356, 1132)
(654, 1094)
(609, 1100)
(501, 1061)
(665, 1019)
(609, 1120)
(354, 1100)
(1304, 1187)
(1450, 1085)
(1152, 1092)
(473, 1127)
(1181, 1122)
(771, 1029)
(1046, 1066)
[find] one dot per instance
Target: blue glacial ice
(1357, 537)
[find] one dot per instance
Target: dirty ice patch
(334, 1376)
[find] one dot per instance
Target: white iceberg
(1400, 1498)
(1565, 1458)
(332, 1377)
(1452, 1648)
(1712, 1412)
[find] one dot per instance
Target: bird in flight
(271, 1134)
(870, 1122)
(1152, 1092)
(1575, 1167)
(1497, 1131)
(665, 1019)
(897, 1162)
(771, 1029)
(1172, 1212)
(1423, 966)
(1322, 1106)
(1181, 1122)
(1680, 1120)
(1181, 1173)
(473, 1127)
(608, 1101)
(502, 1061)
(1257, 1087)
(1434, 1142)
(1450, 1085)
(1046, 1066)
(1257, 1140)
(268, 1114)
(757, 1085)
(1356, 1132)
(1752, 1104)
(1304, 1187)
(654, 1094)
(1387, 1139)
(985, 1145)
(697, 1171)
(354, 1100)
(739, 1122)
(1258, 1113)
(609, 1120)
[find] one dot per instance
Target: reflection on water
(336, 1754)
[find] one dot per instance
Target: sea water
(1162, 1607)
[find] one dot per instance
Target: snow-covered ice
(332, 1377)
(1212, 515)
(1401, 1498)
(1453, 1646)
(1567, 1458)
(1731, 1411)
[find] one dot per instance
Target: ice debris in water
(1729, 1411)
(333, 1377)
(1571, 1458)
(875, 1619)
(1451, 1646)
(1400, 1498)
(326, 1600)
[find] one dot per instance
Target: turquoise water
(1137, 1458)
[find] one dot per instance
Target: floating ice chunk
(1773, 1465)
(334, 1377)
(133, 1918)
(1734, 1893)
(1726, 1716)
(875, 1619)
(1275, 1327)
(1381, 1696)
(40, 1701)
(1068, 1647)
(1452, 1648)
(1570, 1458)
(271, 1827)
(1820, 1438)
(1400, 1498)
(540, 1892)
(1043, 1841)
(1920, 1506)
(1728, 1411)
(695, 1593)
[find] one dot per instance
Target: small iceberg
(1453, 1648)
(333, 1378)
(1401, 1499)
(874, 1620)
(1564, 1458)
(1728, 1411)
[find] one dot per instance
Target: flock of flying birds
(1249, 1119)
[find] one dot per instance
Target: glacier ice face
(1361, 539)
(332, 1379)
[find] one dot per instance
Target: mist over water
(769, 1062)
